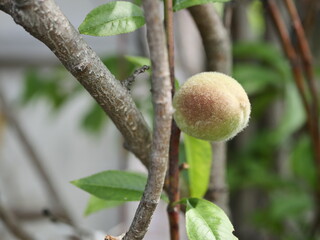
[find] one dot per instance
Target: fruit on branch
(211, 106)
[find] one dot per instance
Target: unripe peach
(211, 106)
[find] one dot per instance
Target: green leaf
(256, 79)
(176, 84)
(51, 85)
(181, 4)
(115, 185)
(289, 205)
(262, 53)
(94, 119)
(206, 221)
(293, 117)
(96, 204)
(138, 60)
(198, 154)
(113, 18)
(302, 161)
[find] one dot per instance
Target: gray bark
(161, 89)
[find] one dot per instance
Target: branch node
(130, 80)
(109, 237)
(183, 166)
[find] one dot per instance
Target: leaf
(256, 79)
(181, 4)
(176, 84)
(113, 18)
(115, 185)
(119, 66)
(293, 117)
(51, 85)
(302, 161)
(289, 205)
(94, 119)
(206, 221)
(198, 154)
(138, 60)
(262, 53)
(96, 204)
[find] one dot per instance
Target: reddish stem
(173, 181)
(311, 109)
(308, 68)
(173, 170)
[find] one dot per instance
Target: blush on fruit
(211, 106)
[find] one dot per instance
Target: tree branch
(129, 81)
(173, 174)
(296, 68)
(214, 36)
(306, 56)
(11, 223)
(161, 89)
(45, 21)
(217, 46)
(35, 161)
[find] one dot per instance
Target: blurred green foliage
(288, 197)
(55, 86)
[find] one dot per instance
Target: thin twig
(109, 237)
(161, 98)
(12, 224)
(35, 160)
(308, 68)
(310, 16)
(217, 46)
(45, 21)
(288, 49)
(298, 77)
(305, 53)
(80, 232)
(130, 80)
(173, 171)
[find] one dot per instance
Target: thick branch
(45, 21)
(214, 37)
(217, 46)
(161, 89)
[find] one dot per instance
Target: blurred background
(51, 130)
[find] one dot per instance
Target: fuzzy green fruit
(211, 106)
